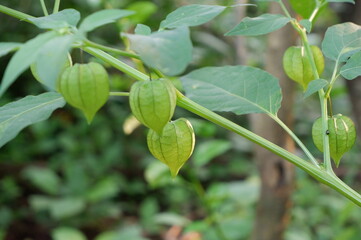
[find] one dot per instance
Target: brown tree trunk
(277, 175)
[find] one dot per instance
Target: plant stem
(119, 94)
(56, 6)
(333, 79)
(284, 8)
(117, 64)
(43, 6)
(15, 13)
(111, 50)
(321, 175)
(296, 139)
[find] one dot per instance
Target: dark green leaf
(6, 47)
(101, 18)
(238, 89)
(23, 58)
(51, 59)
(260, 25)
(141, 29)
(43, 178)
(341, 41)
(314, 86)
(191, 15)
(169, 51)
(352, 68)
(17, 115)
(64, 18)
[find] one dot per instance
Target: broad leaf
(51, 59)
(191, 15)
(43, 178)
(64, 18)
(6, 47)
(306, 24)
(352, 68)
(314, 86)
(169, 51)
(260, 25)
(341, 41)
(238, 89)
(143, 10)
(303, 7)
(23, 58)
(67, 233)
(208, 150)
(101, 18)
(17, 115)
(142, 29)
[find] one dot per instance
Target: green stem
(182, 101)
(284, 8)
(56, 6)
(296, 139)
(111, 50)
(119, 94)
(333, 79)
(15, 14)
(117, 64)
(43, 6)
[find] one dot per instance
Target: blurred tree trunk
(277, 175)
(354, 86)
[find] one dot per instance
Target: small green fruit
(298, 68)
(341, 133)
(174, 146)
(86, 87)
(153, 102)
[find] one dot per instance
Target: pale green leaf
(17, 115)
(352, 68)
(52, 58)
(23, 58)
(314, 86)
(43, 178)
(142, 29)
(170, 51)
(307, 24)
(6, 47)
(102, 17)
(66, 207)
(64, 18)
(67, 233)
(238, 89)
(206, 151)
(191, 15)
(260, 25)
(341, 41)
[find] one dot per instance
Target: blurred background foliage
(63, 179)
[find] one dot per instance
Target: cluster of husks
(153, 104)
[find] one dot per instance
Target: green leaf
(106, 188)
(307, 24)
(238, 89)
(206, 151)
(43, 178)
(17, 115)
(64, 18)
(260, 25)
(52, 58)
(352, 68)
(143, 10)
(67, 233)
(341, 41)
(101, 18)
(23, 58)
(191, 15)
(169, 51)
(303, 7)
(314, 86)
(141, 29)
(66, 207)
(6, 47)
